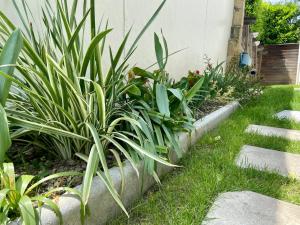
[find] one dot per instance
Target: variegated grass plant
(63, 99)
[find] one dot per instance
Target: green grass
(209, 169)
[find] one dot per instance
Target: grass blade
(8, 57)
(91, 49)
(27, 210)
(90, 171)
(5, 141)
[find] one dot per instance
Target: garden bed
(34, 161)
(70, 104)
(135, 186)
(210, 106)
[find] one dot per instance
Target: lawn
(209, 169)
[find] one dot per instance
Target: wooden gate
(280, 64)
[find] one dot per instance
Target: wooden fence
(280, 64)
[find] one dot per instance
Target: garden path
(283, 163)
(289, 115)
(250, 208)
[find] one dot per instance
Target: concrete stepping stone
(293, 135)
(250, 208)
(284, 163)
(290, 115)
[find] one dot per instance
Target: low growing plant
(234, 83)
(242, 84)
(17, 201)
(209, 89)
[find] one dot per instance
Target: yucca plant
(8, 58)
(64, 97)
(17, 201)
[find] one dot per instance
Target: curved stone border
(101, 204)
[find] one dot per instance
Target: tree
(278, 23)
(252, 7)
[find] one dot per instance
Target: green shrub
(237, 83)
(278, 23)
(252, 7)
(208, 89)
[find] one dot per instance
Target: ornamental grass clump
(65, 102)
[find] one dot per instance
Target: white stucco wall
(201, 27)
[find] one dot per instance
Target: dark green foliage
(161, 105)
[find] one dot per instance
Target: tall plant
(8, 58)
(67, 100)
(161, 105)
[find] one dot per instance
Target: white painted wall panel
(202, 27)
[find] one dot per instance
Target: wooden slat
(279, 64)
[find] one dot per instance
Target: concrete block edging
(102, 206)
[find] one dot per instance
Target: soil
(28, 160)
(209, 106)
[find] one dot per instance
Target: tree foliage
(252, 7)
(278, 23)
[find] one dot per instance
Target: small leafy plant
(160, 104)
(209, 88)
(243, 85)
(17, 196)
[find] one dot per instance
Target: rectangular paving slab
(290, 115)
(284, 163)
(250, 208)
(293, 135)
